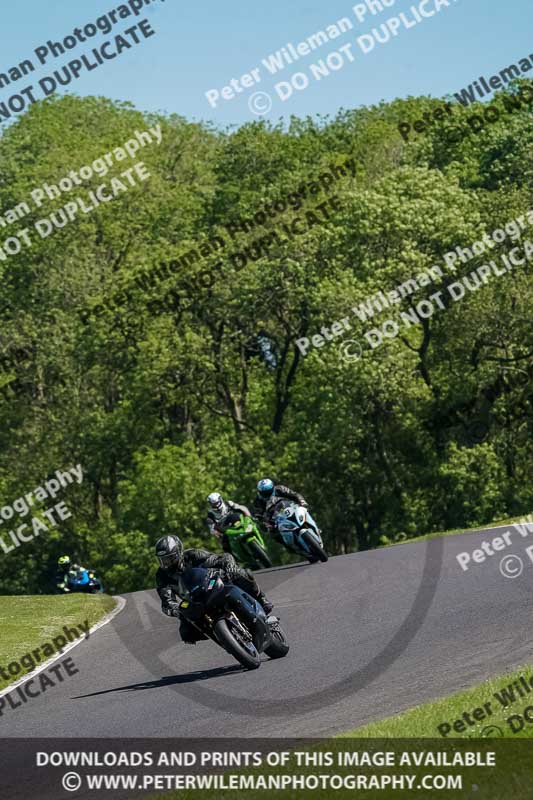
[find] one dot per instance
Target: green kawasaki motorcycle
(245, 540)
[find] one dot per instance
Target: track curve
(371, 634)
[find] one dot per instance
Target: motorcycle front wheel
(259, 554)
(234, 643)
(314, 547)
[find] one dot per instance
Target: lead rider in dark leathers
(173, 560)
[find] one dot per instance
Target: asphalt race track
(371, 634)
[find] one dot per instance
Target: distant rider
(66, 570)
(219, 509)
(173, 560)
(268, 493)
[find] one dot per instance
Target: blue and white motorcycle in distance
(81, 580)
(297, 529)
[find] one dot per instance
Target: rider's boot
(267, 605)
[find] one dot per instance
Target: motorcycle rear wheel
(315, 548)
(259, 554)
(229, 641)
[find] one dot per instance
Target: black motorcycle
(231, 618)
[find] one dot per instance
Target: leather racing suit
(261, 513)
(169, 587)
(215, 521)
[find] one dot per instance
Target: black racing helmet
(169, 551)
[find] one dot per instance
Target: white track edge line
(121, 602)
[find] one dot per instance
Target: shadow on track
(170, 680)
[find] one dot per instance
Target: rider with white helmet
(218, 511)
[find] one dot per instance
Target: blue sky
(201, 46)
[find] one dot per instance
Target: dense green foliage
(163, 402)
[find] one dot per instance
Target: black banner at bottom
(120, 769)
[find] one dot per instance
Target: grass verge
(497, 700)
(28, 622)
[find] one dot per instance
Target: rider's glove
(216, 573)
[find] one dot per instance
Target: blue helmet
(266, 488)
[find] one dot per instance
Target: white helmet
(218, 506)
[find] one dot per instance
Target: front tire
(234, 647)
(259, 554)
(316, 550)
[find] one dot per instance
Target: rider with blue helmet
(266, 491)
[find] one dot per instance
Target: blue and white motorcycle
(83, 580)
(297, 529)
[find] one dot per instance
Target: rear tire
(315, 548)
(259, 554)
(234, 647)
(279, 646)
